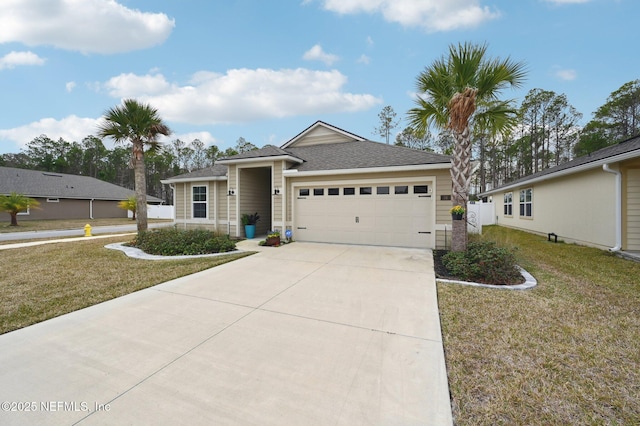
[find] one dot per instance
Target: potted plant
(457, 212)
(273, 238)
(249, 221)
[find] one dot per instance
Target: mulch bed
(440, 269)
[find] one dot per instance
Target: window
(381, 190)
(318, 191)
(334, 191)
(365, 190)
(420, 189)
(304, 192)
(526, 202)
(401, 189)
(349, 191)
(508, 204)
(53, 200)
(199, 201)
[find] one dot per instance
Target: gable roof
(316, 128)
(629, 148)
(217, 172)
(34, 183)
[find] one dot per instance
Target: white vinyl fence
(157, 212)
(479, 214)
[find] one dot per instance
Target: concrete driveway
(305, 334)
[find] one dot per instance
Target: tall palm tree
(458, 93)
(140, 124)
(15, 203)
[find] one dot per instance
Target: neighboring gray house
(64, 196)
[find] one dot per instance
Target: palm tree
(15, 203)
(129, 204)
(460, 92)
(140, 124)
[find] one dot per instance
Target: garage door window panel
(382, 190)
(401, 190)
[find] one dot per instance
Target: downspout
(607, 169)
(91, 209)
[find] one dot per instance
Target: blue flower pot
(250, 231)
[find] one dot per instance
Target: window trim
(524, 203)
(205, 202)
(508, 204)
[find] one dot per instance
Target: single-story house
(592, 200)
(64, 196)
(324, 185)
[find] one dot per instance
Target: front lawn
(45, 281)
(62, 224)
(565, 352)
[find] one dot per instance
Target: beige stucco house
(325, 185)
(592, 200)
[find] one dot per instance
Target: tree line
(546, 133)
(91, 158)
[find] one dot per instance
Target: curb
(530, 282)
(139, 254)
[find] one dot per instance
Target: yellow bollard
(87, 230)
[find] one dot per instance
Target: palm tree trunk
(461, 177)
(141, 187)
(14, 219)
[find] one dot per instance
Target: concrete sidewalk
(304, 334)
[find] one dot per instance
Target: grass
(48, 225)
(45, 281)
(566, 352)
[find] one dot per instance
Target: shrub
(484, 262)
(175, 242)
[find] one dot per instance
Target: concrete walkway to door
(304, 334)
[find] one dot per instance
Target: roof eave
(414, 167)
(193, 179)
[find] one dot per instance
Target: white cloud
(317, 54)
(431, 15)
(364, 59)
(566, 74)
(206, 137)
(243, 95)
(89, 26)
(369, 41)
(71, 128)
(70, 86)
(13, 59)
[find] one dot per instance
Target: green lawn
(566, 352)
(45, 281)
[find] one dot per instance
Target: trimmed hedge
(174, 242)
(484, 262)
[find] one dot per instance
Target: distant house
(324, 185)
(64, 196)
(592, 200)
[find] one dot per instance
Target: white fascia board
(260, 159)
(418, 167)
(577, 169)
(195, 179)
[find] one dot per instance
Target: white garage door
(394, 214)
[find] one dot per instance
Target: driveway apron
(304, 334)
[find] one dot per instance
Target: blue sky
(219, 70)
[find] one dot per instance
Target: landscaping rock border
(530, 282)
(139, 254)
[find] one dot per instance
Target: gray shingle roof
(361, 154)
(265, 151)
(597, 157)
(218, 170)
(33, 183)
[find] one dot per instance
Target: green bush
(175, 242)
(484, 262)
